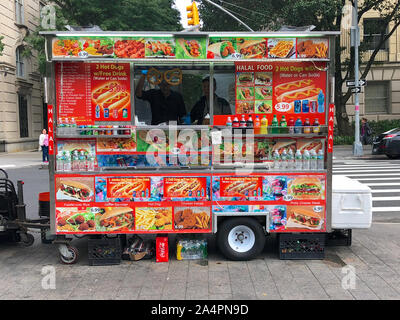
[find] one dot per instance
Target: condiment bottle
(297, 126)
(264, 125)
(307, 129)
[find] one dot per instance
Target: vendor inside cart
(166, 105)
(202, 107)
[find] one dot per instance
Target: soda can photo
(313, 106)
(297, 106)
(97, 111)
(305, 107)
(106, 112)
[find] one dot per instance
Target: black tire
(71, 260)
(30, 239)
(242, 252)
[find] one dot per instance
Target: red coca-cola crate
(161, 249)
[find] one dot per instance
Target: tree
(326, 15)
(121, 15)
(1, 45)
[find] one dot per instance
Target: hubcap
(241, 238)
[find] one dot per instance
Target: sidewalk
(20, 159)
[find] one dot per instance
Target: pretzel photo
(173, 77)
(154, 76)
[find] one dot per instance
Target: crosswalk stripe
(364, 168)
(384, 190)
(385, 198)
(380, 179)
(375, 170)
(373, 174)
(385, 209)
(381, 184)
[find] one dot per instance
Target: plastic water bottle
(73, 127)
(291, 165)
(90, 162)
(82, 161)
(313, 160)
(67, 161)
(298, 126)
(59, 162)
(75, 161)
(298, 160)
(66, 128)
(277, 160)
(306, 160)
(284, 160)
(320, 160)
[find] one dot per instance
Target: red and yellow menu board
(293, 89)
(93, 92)
(128, 187)
(241, 186)
(185, 187)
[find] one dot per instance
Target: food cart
(255, 160)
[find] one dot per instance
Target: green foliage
(122, 15)
(1, 45)
(377, 128)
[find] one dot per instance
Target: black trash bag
(138, 249)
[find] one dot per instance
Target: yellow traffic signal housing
(193, 14)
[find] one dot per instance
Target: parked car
(387, 143)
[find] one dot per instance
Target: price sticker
(216, 137)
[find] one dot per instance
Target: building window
(20, 62)
(377, 97)
(372, 35)
(23, 116)
(19, 11)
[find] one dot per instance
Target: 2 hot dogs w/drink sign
(297, 89)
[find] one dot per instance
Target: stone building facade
(21, 93)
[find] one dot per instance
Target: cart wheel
(27, 239)
(240, 238)
(71, 255)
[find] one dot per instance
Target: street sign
(352, 83)
(356, 90)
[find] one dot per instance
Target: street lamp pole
(357, 147)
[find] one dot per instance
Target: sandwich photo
(73, 190)
(309, 144)
(244, 93)
(303, 188)
(252, 49)
(116, 219)
(263, 78)
(222, 49)
(284, 145)
(263, 93)
(304, 216)
(190, 48)
(264, 106)
(244, 78)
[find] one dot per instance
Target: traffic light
(193, 14)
